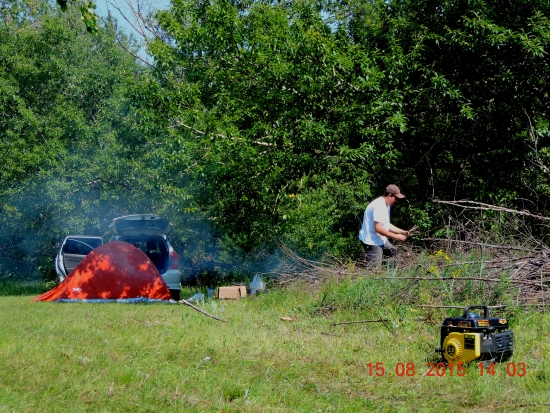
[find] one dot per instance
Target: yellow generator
(476, 337)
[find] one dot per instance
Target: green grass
(9, 286)
(149, 358)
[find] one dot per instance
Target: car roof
(77, 237)
(140, 224)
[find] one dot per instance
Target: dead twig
(488, 207)
(201, 311)
(457, 306)
(481, 244)
(362, 321)
(330, 335)
(390, 330)
(535, 284)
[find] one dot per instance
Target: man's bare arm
(396, 230)
(408, 233)
(399, 236)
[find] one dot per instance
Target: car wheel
(175, 294)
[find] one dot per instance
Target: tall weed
(12, 287)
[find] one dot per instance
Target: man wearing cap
(376, 228)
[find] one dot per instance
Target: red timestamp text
(409, 369)
(441, 369)
(512, 369)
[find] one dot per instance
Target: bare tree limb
(137, 20)
(133, 54)
(488, 207)
(180, 123)
(482, 244)
(534, 284)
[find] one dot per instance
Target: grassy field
(151, 358)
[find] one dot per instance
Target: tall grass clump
(440, 278)
(11, 286)
(358, 295)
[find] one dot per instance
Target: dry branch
(464, 279)
(509, 262)
(201, 311)
(457, 306)
(362, 321)
(391, 331)
(481, 244)
(488, 207)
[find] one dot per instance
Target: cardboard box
(232, 293)
(242, 288)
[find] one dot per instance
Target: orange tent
(114, 271)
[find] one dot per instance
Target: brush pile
(491, 256)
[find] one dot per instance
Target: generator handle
(471, 307)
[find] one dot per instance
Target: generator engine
(475, 337)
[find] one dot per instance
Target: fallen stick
(328, 334)
(391, 331)
(362, 321)
(201, 311)
(499, 260)
(482, 244)
(457, 306)
(534, 284)
(489, 306)
(381, 320)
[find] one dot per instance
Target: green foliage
(473, 108)
(63, 121)
(317, 221)
(87, 13)
(265, 122)
(273, 105)
(285, 119)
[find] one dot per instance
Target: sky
(104, 5)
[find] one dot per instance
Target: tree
(476, 90)
(63, 122)
(87, 13)
(270, 112)
(285, 116)
(259, 121)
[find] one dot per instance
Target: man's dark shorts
(374, 253)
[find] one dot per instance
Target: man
(376, 228)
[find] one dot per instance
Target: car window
(124, 225)
(81, 246)
(147, 245)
